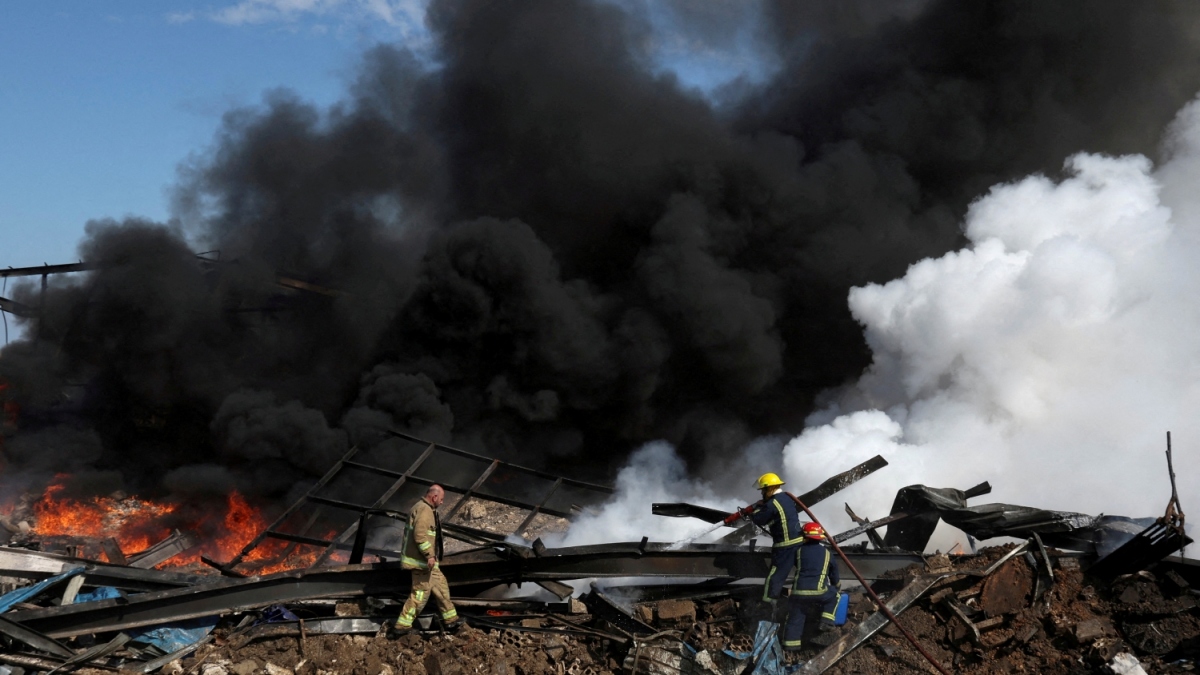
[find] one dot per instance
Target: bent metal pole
(879, 603)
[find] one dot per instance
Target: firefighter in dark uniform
(778, 514)
(815, 590)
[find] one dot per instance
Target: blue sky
(100, 101)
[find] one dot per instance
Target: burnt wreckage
(673, 606)
(670, 608)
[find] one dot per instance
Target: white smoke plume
(1049, 357)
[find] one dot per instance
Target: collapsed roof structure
(669, 607)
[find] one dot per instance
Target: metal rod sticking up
(875, 598)
(1174, 515)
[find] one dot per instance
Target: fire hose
(745, 513)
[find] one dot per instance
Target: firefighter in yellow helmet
(422, 549)
(777, 513)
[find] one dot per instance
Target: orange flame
(132, 522)
(136, 524)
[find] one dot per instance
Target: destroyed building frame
(152, 597)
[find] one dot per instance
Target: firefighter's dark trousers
(783, 561)
(801, 608)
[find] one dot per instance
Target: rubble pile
(979, 617)
(1079, 624)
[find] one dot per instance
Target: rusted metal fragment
(1007, 589)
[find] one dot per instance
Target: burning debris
(93, 603)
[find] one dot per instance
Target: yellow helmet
(769, 480)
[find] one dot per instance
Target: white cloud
(263, 11)
(405, 17)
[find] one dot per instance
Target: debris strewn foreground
(974, 624)
(1075, 594)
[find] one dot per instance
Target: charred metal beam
(817, 494)
(45, 269)
(42, 643)
(501, 564)
(18, 308)
(333, 471)
(25, 564)
(224, 595)
(19, 562)
(96, 652)
(843, 480)
(380, 502)
(525, 470)
(358, 625)
(409, 475)
(871, 625)
(876, 540)
(462, 501)
(113, 551)
(1146, 548)
(559, 589)
(827, 489)
(541, 507)
(451, 487)
(683, 510)
(162, 551)
(869, 528)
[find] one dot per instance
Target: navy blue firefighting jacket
(817, 570)
(781, 518)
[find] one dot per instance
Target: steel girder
(502, 564)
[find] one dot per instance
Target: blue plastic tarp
(22, 594)
(767, 654)
(170, 637)
(101, 593)
(176, 636)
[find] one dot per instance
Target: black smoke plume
(545, 249)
